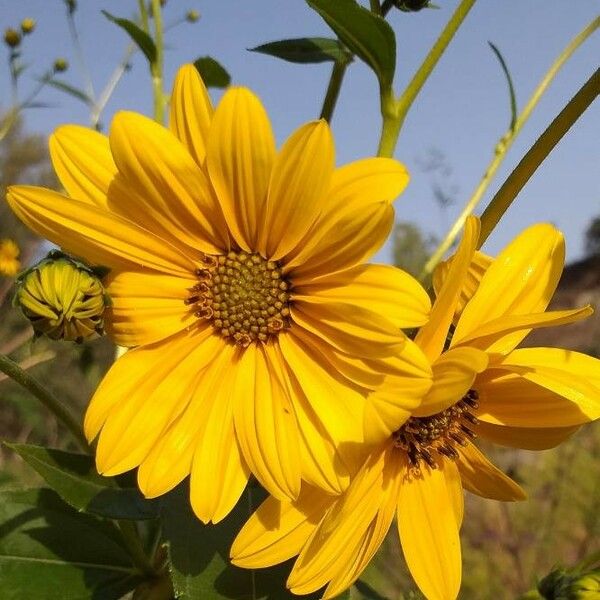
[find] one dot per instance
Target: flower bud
(561, 584)
(62, 298)
(71, 5)
(27, 26)
(192, 16)
(411, 5)
(12, 38)
(60, 65)
(9, 263)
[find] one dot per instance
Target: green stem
(375, 8)
(156, 68)
(504, 145)
(85, 72)
(59, 410)
(386, 6)
(538, 153)
(132, 540)
(390, 129)
(333, 89)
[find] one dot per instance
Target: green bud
(561, 584)
(192, 16)
(71, 5)
(27, 26)
(12, 38)
(411, 5)
(60, 65)
(62, 298)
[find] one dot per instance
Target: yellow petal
(191, 111)
(161, 187)
(95, 234)
(432, 336)
(428, 525)
(521, 280)
(380, 288)
(526, 438)
(278, 529)
(481, 477)
(147, 306)
(545, 387)
(453, 375)
(265, 423)
(144, 391)
(83, 163)
(170, 459)
(299, 182)
(240, 156)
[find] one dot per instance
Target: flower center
(424, 437)
(244, 296)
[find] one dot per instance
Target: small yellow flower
(27, 26)
(62, 299)
(192, 16)
(531, 398)
(60, 65)
(12, 38)
(237, 277)
(9, 253)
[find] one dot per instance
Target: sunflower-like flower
(237, 278)
(531, 398)
(9, 258)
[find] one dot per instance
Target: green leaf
(198, 554)
(144, 42)
(70, 89)
(75, 479)
(367, 35)
(511, 88)
(50, 551)
(307, 50)
(212, 72)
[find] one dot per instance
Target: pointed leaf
(70, 89)
(75, 479)
(307, 50)
(367, 35)
(212, 72)
(143, 41)
(511, 87)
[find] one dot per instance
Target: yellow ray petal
(83, 163)
(191, 111)
(521, 280)
(265, 423)
(300, 180)
(94, 234)
(526, 438)
(453, 375)
(481, 477)
(545, 387)
(382, 288)
(432, 336)
(170, 459)
(428, 527)
(240, 156)
(278, 529)
(161, 186)
(147, 307)
(142, 411)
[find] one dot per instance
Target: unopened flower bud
(71, 5)
(9, 263)
(192, 16)
(561, 584)
(411, 5)
(60, 65)
(62, 298)
(27, 26)
(12, 37)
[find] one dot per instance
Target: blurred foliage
(592, 238)
(412, 247)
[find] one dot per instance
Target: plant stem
(333, 89)
(375, 8)
(85, 73)
(504, 145)
(59, 410)
(156, 68)
(538, 153)
(132, 540)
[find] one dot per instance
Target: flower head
(9, 258)
(237, 277)
(530, 398)
(27, 26)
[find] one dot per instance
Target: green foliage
(307, 50)
(143, 41)
(212, 72)
(511, 87)
(412, 247)
(592, 238)
(369, 36)
(71, 90)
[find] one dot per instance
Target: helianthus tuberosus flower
(530, 398)
(237, 277)
(9, 258)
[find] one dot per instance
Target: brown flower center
(244, 296)
(422, 438)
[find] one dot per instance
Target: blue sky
(461, 112)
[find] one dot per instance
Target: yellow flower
(237, 275)
(9, 263)
(530, 398)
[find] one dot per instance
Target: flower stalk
(333, 89)
(156, 67)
